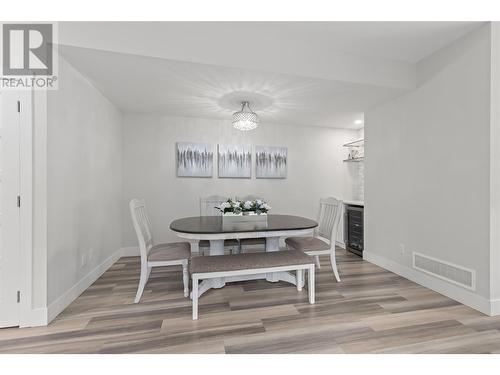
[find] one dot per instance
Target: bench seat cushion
(221, 263)
(227, 243)
(169, 251)
(307, 243)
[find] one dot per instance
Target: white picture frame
(234, 161)
(194, 159)
(271, 162)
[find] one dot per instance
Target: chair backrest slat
(208, 204)
(330, 210)
(142, 226)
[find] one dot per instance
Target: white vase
(247, 221)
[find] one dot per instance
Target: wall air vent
(450, 272)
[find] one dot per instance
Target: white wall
(83, 182)
(427, 169)
(360, 180)
(495, 169)
(315, 168)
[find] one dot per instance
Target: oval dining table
(216, 230)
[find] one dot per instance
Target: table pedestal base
(217, 248)
(273, 244)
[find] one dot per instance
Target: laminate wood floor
(370, 311)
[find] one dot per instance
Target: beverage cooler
(354, 235)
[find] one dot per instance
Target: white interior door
(9, 210)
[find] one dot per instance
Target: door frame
(25, 99)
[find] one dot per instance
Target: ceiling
(307, 73)
(164, 87)
(404, 41)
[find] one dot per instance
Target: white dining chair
(160, 255)
(208, 208)
(252, 244)
(324, 239)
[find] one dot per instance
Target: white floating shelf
(354, 160)
(358, 143)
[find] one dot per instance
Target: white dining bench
(219, 266)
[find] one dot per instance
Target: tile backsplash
(360, 184)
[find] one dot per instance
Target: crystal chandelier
(245, 119)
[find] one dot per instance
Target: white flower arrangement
(235, 206)
(223, 206)
(247, 205)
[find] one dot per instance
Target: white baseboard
(495, 307)
(130, 251)
(340, 244)
(56, 307)
(477, 302)
(44, 316)
(34, 318)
